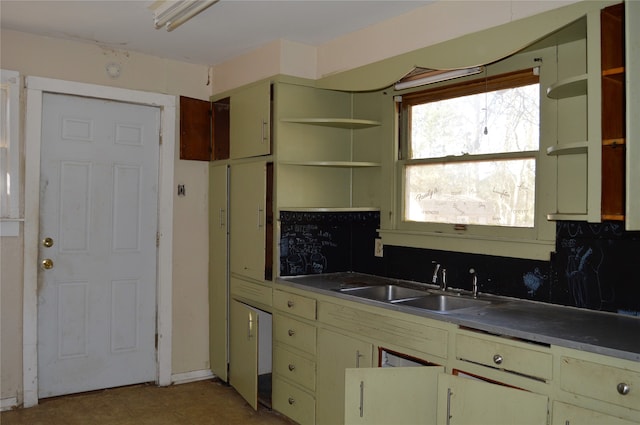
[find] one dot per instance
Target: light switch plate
(377, 251)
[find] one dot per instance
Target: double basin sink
(421, 299)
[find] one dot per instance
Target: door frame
(35, 88)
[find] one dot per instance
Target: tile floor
(207, 402)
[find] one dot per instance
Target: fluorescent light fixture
(172, 14)
(436, 76)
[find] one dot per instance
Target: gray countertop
(598, 332)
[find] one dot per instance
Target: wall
(431, 24)
(81, 62)
(592, 267)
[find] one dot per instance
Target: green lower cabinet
(293, 402)
(372, 395)
(427, 396)
(336, 353)
(243, 351)
(566, 414)
(465, 401)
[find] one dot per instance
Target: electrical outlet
(377, 250)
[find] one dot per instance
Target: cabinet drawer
(293, 402)
(295, 304)
(294, 367)
(564, 414)
(509, 357)
(295, 333)
(244, 290)
(599, 381)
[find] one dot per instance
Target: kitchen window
(9, 155)
(468, 153)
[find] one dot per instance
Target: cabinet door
(195, 129)
(335, 353)
(243, 351)
(392, 395)
(464, 401)
(218, 270)
(248, 219)
(566, 414)
(250, 121)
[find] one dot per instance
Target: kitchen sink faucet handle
(474, 282)
(434, 279)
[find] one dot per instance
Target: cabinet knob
(292, 367)
(291, 401)
(497, 359)
(290, 304)
(623, 389)
(291, 332)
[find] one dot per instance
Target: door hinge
(157, 239)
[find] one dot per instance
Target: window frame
(9, 222)
(477, 85)
(533, 243)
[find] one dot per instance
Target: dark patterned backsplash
(594, 265)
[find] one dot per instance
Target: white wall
(81, 62)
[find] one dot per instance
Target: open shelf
(569, 87)
(568, 149)
(335, 164)
(329, 209)
(567, 217)
(347, 123)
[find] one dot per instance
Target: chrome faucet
(434, 279)
(474, 282)
(443, 278)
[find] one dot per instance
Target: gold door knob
(47, 263)
(47, 242)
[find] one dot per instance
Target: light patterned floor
(203, 402)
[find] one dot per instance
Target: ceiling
(227, 29)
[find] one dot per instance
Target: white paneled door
(97, 253)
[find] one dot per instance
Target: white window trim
(10, 224)
(36, 87)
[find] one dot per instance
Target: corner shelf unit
(327, 155)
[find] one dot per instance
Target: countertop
(593, 331)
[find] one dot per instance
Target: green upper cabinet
(251, 121)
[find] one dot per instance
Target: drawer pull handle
(290, 304)
(497, 359)
(292, 401)
(292, 367)
(291, 332)
(623, 389)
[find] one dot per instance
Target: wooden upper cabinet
(613, 112)
(204, 129)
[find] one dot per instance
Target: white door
(98, 213)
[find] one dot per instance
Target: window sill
(10, 227)
(473, 244)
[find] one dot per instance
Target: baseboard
(8, 403)
(186, 377)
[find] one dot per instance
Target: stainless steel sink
(443, 303)
(387, 293)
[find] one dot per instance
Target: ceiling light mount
(171, 14)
